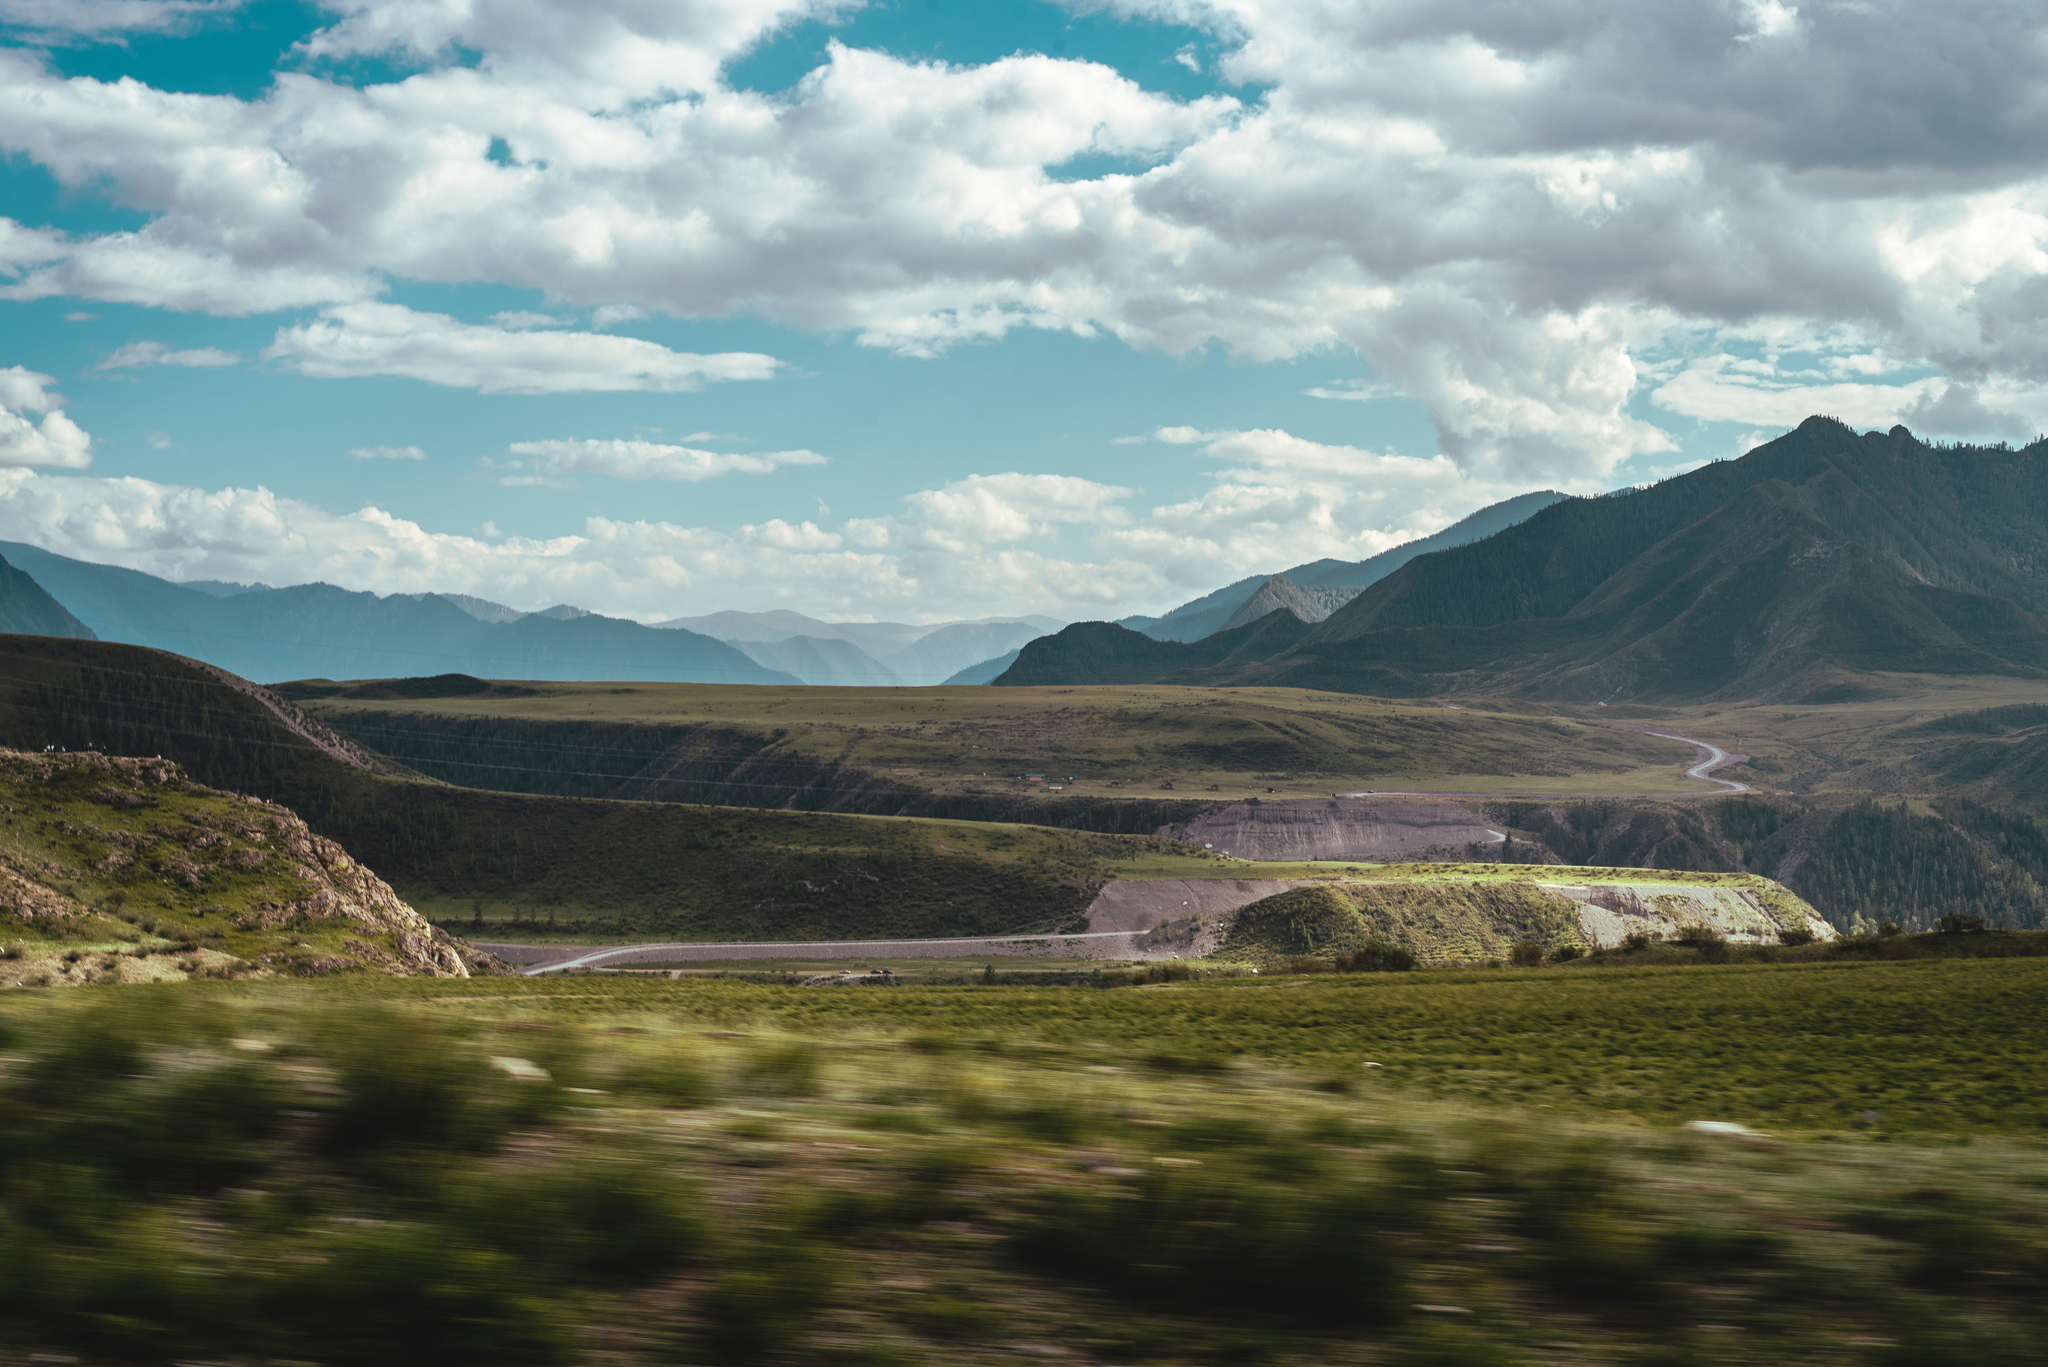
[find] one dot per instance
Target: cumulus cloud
(1960, 411)
(549, 461)
(55, 19)
(388, 453)
(54, 440)
(138, 354)
(1282, 500)
(1722, 387)
(356, 340)
(1502, 209)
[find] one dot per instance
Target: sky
(925, 309)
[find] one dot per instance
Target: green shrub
(1376, 956)
(1526, 954)
(410, 1294)
(406, 1084)
(668, 1077)
(765, 1299)
(1219, 1235)
(789, 1069)
(596, 1218)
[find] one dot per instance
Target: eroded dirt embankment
(1334, 828)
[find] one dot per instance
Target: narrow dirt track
(1710, 758)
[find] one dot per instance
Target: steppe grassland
(1297, 742)
(724, 1173)
(1803, 1047)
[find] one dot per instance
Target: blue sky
(921, 310)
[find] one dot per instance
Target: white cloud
(388, 453)
(55, 441)
(1282, 500)
(157, 441)
(96, 18)
(1356, 391)
(523, 318)
(1501, 209)
(550, 461)
(138, 354)
(356, 340)
(1726, 388)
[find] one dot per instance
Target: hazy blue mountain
(320, 631)
(876, 638)
(1214, 612)
(820, 660)
(986, 671)
(26, 610)
(483, 609)
(938, 656)
(885, 652)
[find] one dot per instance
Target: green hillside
(124, 870)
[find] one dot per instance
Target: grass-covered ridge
(512, 1171)
(960, 750)
(124, 870)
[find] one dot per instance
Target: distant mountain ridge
(27, 610)
(1220, 610)
(320, 631)
(866, 653)
(1814, 559)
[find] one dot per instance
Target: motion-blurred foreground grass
(621, 1171)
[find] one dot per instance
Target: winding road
(1709, 758)
(1712, 757)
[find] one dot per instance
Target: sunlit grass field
(615, 1170)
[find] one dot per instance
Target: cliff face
(125, 870)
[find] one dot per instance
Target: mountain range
(1330, 582)
(866, 653)
(1792, 574)
(320, 631)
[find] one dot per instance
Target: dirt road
(1710, 758)
(1115, 944)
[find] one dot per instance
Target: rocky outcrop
(127, 859)
(1281, 593)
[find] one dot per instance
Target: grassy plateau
(979, 740)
